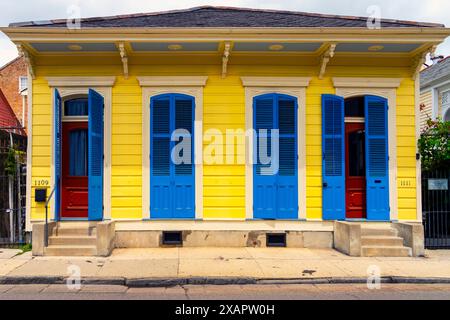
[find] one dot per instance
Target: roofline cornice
(220, 34)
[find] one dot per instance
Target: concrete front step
(73, 240)
(62, 250)
(385, 251)
(381, 241)
(388, 232)
(75, 231)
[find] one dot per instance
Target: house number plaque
(437, 184)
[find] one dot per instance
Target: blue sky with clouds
(26, 10)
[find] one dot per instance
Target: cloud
(26, 10)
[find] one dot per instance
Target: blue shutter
(264, 186)
(57, 109)
(287, 180)
(95, 162)
(333, 164)
(160, 180)
(184, 179)
(377, 173)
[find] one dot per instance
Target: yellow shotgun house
(217, 126)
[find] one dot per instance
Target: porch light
(175, 47)
(75, 47)
(376, 48)
(276, 47)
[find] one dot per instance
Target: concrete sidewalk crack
(186, 292)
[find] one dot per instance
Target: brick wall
(9, 84)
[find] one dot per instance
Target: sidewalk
(160, 267)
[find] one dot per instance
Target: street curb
(32, 280)
(172, 282)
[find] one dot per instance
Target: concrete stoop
(72, 239)
(382, 242)
(379, 239)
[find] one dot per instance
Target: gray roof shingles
(435, 72)
(226, 17)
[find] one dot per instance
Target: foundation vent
(276, 240)
(172, 238)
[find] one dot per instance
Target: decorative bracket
(28, 59)
(325, 58)
(124, 57)
(420, 59)
(225, 58)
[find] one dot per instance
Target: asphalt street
(229, 292)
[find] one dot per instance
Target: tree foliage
(434, 146)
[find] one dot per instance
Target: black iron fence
(12, 189)
(436, 208)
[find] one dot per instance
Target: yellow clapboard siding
(127, 170)
(224, 108)
(127, 139)
(223, 191)
(407, 193)
(124, 119)
(228, 170)
(125, 202)
(126, 190)
(41, 161)
(407, 214)
(126, 213)
(127, 149)
(224, 181)
(224, 119)
(126, 160)
(223, 213)
(126, 129)
(221, 202)
(126, 181)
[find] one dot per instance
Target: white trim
(419, 216)
(441, 112)
(173, 81)
(28, 226)
(369, 83)
(435, 102)
(20, 83)
(75, 119)
(391, 95)
(278, 82)
(298, 92)
(436, 92)
(106, 92)
(147, 93)
(355, 120)
(82, 82)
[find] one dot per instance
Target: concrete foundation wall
(204, 238)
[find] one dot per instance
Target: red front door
(355, 170)
(74, 182)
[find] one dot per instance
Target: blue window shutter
(333, 164)
(160, 180)
(287, 180)
(184, 180)
(377, 173)
(57, 109)
(95, 163)
(264, 186)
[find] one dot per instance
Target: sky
(25, 10)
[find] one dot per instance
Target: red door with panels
(355, 183)
(74, 180)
